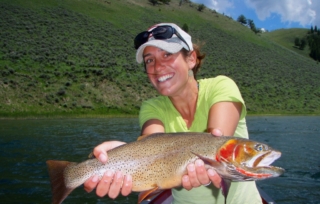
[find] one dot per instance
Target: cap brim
(171, 45)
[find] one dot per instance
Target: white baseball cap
(171, 45)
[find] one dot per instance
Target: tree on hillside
(303, 44)
(185, 28)
(242, 19)
(153, 2)
(165, 1)
(297, 42)
(201, 7)
(186, 1)
(311, 30)
(313, 39)
(252, 26)
(314, 45)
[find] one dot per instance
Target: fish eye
(260, 147)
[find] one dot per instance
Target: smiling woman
(212, 105)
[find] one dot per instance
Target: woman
(214, 105)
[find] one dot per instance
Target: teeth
(165, 77)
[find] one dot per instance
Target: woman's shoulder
(157, 101)
(214, 81)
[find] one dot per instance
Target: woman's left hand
(197, 173)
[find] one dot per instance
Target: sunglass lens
(140, 39)
(162, 32)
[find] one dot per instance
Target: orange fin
(144, 195)
(58, 187)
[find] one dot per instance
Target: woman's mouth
(165, 77)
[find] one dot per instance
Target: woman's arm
(225, 117)
(152, 126)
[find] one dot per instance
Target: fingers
(186, 182)
(197, 175)
(216, 132)
(215, 178)
(91, 183)
(104, 185)
(100, 151)
(111, 184)
(115, 187)
(127, 185)
(201, 171)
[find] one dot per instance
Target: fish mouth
(263, 160)
(266, 159)
(259, 166)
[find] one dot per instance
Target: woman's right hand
(111, 183)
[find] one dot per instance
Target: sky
(270, 14)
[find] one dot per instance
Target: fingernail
(199, 162)
(128, 177)
(185, 178)
(211, 172)
(119, 174)
(103, 158)
(95, 179)
(109, 173)
(191, 167)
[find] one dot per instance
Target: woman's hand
(111, 183)
(197, 173)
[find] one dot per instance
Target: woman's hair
(200, 57)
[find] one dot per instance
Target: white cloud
(303, 12)
(218, 5)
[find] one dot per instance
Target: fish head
(248, 160)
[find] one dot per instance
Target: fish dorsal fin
(91, 156)
(144, 195)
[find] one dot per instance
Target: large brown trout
(159, 161)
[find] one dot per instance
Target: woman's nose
(159, 65)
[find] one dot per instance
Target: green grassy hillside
(286, 37)
(71, 57)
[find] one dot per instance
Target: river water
(25, 145)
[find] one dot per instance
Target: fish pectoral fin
(225, 186)
(215, 164)
(144, 195)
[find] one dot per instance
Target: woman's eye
(167, 54)
(147, 61)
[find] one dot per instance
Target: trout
(159, 161)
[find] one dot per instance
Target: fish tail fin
(58, 186)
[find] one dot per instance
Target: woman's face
(167, 72)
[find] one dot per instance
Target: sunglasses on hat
(159, 33)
